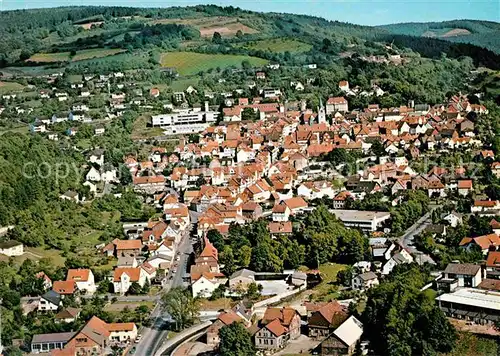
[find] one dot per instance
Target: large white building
(476, 305)
(185, 121)
(364, 220)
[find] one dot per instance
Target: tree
(404, 320)
(253, 291)
(248, 114)
(181, 305)
(135, 289)
(235, 340)
(217, 38)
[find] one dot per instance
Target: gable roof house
(344, 339)
(458, 275)
(224, 319)
(493, 265)
(49, 301)
(277, 327)
(123, 278)
(486, 243)
(324, 318)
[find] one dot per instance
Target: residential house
(67, 315)
(50, 301)
(453, 218)
(336, 104)
(240, 280)
(399, 258)
(44, 343)
(277, 327)
(280, 228)
(344, 339)
(485, 243)
(324, 318)
(493, 265)
(281, 212)
(64, 287)
(460, 275)
(84, 279)
(364, 281)
(224, 319)
(464, 187)
(123, 278)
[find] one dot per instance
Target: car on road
(178, 258)
(132, 350)
(138, 338)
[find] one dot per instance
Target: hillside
(480, 33)
(119, 38)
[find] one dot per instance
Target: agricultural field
(226, 26)
(190, 63)
(279, 45)
(79, 56)
(7, 87)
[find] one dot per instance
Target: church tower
(321, 112)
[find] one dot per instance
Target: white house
(364, 281)
(93, 175)
(399, 258)
(205, 285)
(84, 279)
(50, 301)
(466, 274)
(122, 331)
(454, 219)
(124, 277)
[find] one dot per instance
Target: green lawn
(183, 84)
(7, 87)
(279, 45)
(79, 56)
(189, 63)
(327, 289)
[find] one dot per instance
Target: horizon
(351, 11)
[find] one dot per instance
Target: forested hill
(63, 36)
(480, 33)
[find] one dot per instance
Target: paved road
(407, 239)
(153, 336)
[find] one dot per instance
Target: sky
(364, 12)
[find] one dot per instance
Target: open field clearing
(278, 45)
(79, 56)
(189, 63)
(226, 26)
(7, 87)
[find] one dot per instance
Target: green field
(79, 56)
(279, 45)
(7, 87)
(189, 63)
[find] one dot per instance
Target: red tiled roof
(64, 287)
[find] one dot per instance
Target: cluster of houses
(328, 324)
(96, 337)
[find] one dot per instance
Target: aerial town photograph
(250, 178)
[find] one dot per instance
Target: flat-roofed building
(47, 342)
(364, 220)
(185, 121)
(476, 305)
